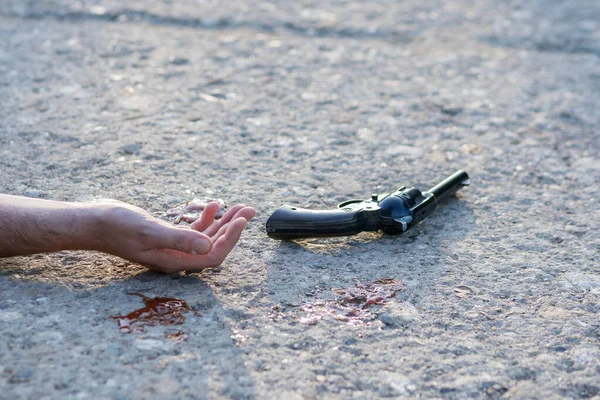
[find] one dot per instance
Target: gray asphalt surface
(310, 103)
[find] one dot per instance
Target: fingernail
(201, 246)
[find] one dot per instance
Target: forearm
(29, 226)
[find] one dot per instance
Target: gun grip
(292, 223)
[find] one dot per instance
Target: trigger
(403, 222)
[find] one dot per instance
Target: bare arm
(29, 226)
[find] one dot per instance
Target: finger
(239, 211)
(216, 225)
(207, 217)
(247, 213)
(228, 216)
(172, 261)
(225, 243)
(220, 232)
(183, 240)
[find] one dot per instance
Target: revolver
(392, 213)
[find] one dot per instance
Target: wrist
(87, 226)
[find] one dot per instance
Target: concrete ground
(310, 103)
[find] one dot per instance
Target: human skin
(29, 226)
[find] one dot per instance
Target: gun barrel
(450, 185)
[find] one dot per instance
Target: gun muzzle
(450, 185)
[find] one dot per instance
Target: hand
(132, 233)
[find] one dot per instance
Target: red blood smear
(351, 305)
(158, 310)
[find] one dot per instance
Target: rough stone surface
(310, 103)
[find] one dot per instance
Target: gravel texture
(310, 103)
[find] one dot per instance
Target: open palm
(132, 233)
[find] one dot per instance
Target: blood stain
(351, 305)
(177, 337)
(158, 310)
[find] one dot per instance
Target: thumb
(184, 240)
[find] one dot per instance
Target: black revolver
(392, 213)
